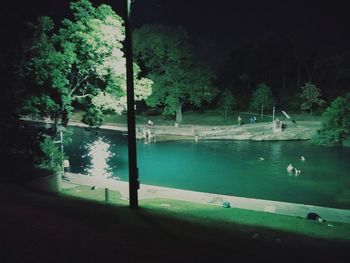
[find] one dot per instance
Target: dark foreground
(47, 228)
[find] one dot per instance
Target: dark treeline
(285, 61)
(312, 46)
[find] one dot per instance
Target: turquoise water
(222, 167)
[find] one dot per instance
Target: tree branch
(77, 85)
(81, 96)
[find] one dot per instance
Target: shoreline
(304, 130)
(251, 132)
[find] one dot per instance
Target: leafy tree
(169, 61)
(227, 102)
(261, 99)
(93, 117)
(80, 63)
(50, 157)
(335, 124)
(311, 97)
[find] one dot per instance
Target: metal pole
(273, 113)
(134, 184)
(106, 195)
(61, 137)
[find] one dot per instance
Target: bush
(93, 117)
(335, 124)
(50, 158)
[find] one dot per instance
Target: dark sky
(224, 25)
(216, 27)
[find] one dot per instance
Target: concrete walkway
(255, 132)
(150, 191)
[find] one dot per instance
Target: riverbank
(303, 130)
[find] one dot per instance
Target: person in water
(290, 168)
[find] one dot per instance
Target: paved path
(150, 191)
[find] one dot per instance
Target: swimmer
(290, 168)
(302, 158)
(261, 159)
(297, 172)
(196, 138)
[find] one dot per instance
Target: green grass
(68, 227)
(225, 219)
(213, 118)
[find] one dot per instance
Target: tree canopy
(227, 102)
(335, 123)
(82, 62)
(261, 99)
(311, 97)
(170, 62)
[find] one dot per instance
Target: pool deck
(254, 132)
(151, 191)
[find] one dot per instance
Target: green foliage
(311, 97)
(50, 159)
(335, 124)
(40, 106)
(93, 117)
(170, 62)
(81, 60)
(261, 99)
(227, 102)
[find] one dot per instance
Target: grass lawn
(198, 118)
(214, 216)
(38, 227)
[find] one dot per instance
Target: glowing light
(100, 154)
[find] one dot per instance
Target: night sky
(215, 27)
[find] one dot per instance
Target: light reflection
(99, 154)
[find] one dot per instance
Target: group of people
(252, 120)
(147, 134)
(277, 125)
(294, 170)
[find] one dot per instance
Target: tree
(227, 102)
(81, 63)
(261, 99)
(335, 124)
(169, 61)
(311, 96)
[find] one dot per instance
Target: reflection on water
(99, 154)
(239, 168)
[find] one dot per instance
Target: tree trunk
(179, 113)
(225, 114)
(298, 76)
(262, 110)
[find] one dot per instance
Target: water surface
(239, 168)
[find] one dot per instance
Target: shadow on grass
(53, 228)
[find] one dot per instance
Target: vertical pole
(61, 139)
(106, 195)
(133, 171)
(273, 113)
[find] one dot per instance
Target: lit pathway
(150, 191)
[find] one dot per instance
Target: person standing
(239, 120)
